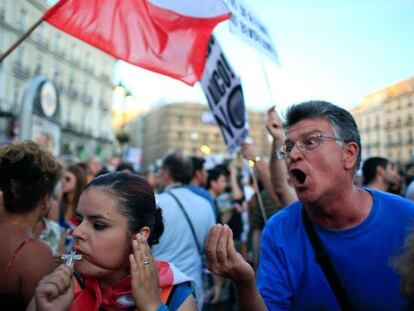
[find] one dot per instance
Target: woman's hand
(223, 259)
(144, 273)
(55, 291)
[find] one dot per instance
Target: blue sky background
(331, 50)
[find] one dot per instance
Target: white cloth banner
(245, 24)
(225, 97)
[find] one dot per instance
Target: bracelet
(162, 307)
(279, 155)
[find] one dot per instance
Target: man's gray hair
(343, 123)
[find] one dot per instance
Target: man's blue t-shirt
(289, 278)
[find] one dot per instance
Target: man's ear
(379, 171)
(351, 155)
(45, 201)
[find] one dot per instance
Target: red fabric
(92, 297)
(140, 33)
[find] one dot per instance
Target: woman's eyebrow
(99, 217)
(94, 217)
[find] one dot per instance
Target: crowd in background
(40, 195)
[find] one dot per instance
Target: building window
(56, 74)
(398, 124)
(2, 13)
(39, 62)
(409, 119)
(88, 61)
(388, 125)
(73, 52)
(22, 20)
(410, 137)
(56, 46)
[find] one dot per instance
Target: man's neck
(173, 184)
(347, 210)
(378, 185)
(196, 182)
(213, 193)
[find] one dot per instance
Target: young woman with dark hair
(28, 175)
(73, 181)
(118, 221)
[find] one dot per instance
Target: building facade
(385, 121)
(82, 76)
(189, 127)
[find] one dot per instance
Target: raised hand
(55, 291)
(223, 259)
(274, 126)
(144, 273)
(248, 151)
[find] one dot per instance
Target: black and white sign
(246, 25)
(225, 97)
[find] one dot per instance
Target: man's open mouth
(298, 176)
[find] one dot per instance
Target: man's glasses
(306, 143)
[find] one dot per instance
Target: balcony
(104, 105)
(21, 71)
(72, 93)
(87, 99)
(60, 86)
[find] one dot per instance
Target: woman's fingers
(135, 258)
(56, 283)
(142, 261)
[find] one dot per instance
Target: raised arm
(261, 166)
(236, 191)
(278, 169)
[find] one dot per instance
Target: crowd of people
(304, 228)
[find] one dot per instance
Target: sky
(330, 50)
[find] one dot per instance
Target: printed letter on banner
(246, 25)
(225, 97)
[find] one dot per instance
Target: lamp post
(123, 101)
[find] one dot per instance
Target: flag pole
(258, 194)
(21, 39)
(267, 81)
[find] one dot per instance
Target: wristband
(279, 155)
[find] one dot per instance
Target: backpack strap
(322, 258)
(200, 249)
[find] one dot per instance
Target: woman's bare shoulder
(35, 254)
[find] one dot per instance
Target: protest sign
(245, 24)
(225, 97)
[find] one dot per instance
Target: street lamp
(123, 101)
(206, 150)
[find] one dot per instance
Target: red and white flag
(165, 36)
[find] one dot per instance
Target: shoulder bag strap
(200, 251)
(322, 257)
